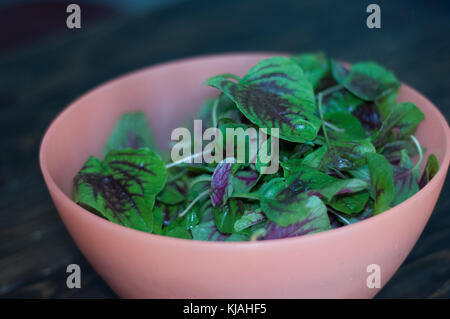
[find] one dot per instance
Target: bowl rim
(58, 192)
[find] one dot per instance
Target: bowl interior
(170, 94)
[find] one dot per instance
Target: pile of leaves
(345, 154)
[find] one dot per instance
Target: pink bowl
(332, 264)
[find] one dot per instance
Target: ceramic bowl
(331, 264)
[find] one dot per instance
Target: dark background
(44, 66)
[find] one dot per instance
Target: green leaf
(350, 204)
(382, 180)
(387, 104)
(275, 93)
(226, 216)
(354, 218)
(340, 156)
(431, 170)
(131, 131)
(314, 65)
(344, 127)
(285, 206)
(405, 117)
(226, 108)
(181, 225)
(248, 219)
(341, 101)
(158, 220)
(392, 150)
(123, 187)
(406, 178)
(245, 179)
(172, 193)
(208, 231)
(367, 80)
(316, 221)
(301, 178)
(315, 158)
(348, 155)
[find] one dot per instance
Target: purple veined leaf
(249, 219)
(392, 150)
(350, 204)
(208, 231)
(173, 193)
(343, 156)
(382, 179)
(367, 80)
(366, 213)
(316, 158)
(315, 221)
(245, 179)
(302, 178)
(226, 215)
(231, 178)
(404, 118)
(220, 183)
(123, 187)
(169, 212)
(369, 116)
(334, 222)
(348, 155)
(431, 169)
(406, 178)
(131, 131)
(386, 105)
(275, 93)
(285, 204)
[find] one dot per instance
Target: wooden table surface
(38, 80)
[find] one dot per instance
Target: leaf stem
(320, 95)
(214, 111)
(343, 219)
(319, 105)
(331, 89)
(244, 195)
(183, 160)
(419, 150)
(337, 129)
(200, 196)
(200, 180)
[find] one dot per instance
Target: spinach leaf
(316, 66)
(131, 131)
(431, 169)
(208, 231)
(226, 216)
(284, 205)
(367, 80)
(316, 221)
(220, 184)
(405, 117)
(406, 178)
(382, 180)
(248, 219)
(173, 193)
(123, 187)
(275, 93)
(344, 126)
(350, 204)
